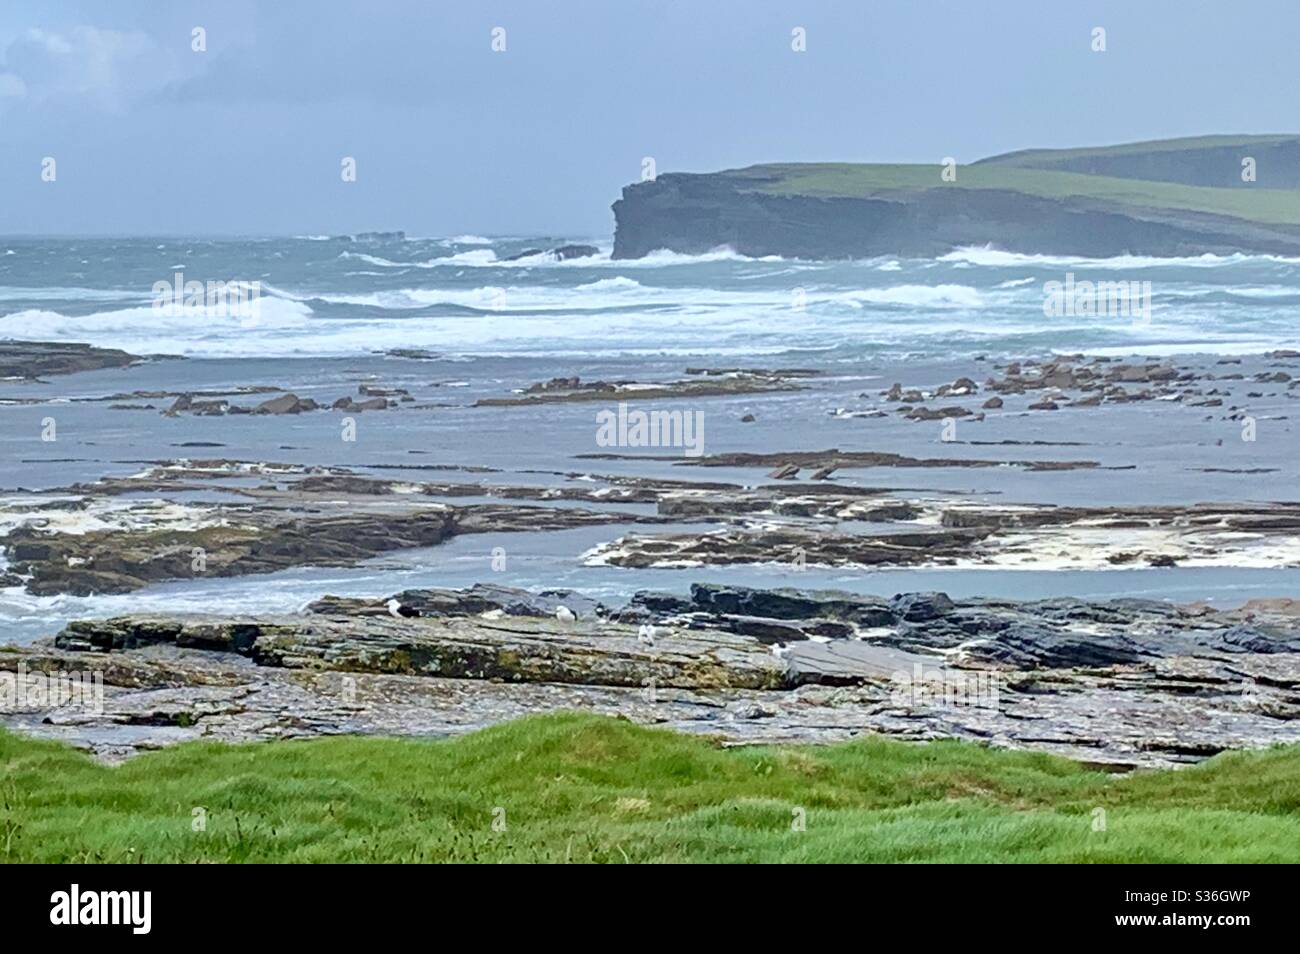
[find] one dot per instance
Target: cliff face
(1177, 197)
(696, 213)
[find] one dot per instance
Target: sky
(449, 136)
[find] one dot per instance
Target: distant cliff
(1179, 197)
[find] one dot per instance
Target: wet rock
(960, 387)
(920, 607)
(648, 605)
(1124, 682)
(992, 403)
(519, 649)
(34, 359)
(120, 561)
(286, 404)
(844, 460)
(369, 390)
(788, 604)
(565, 252)
(568, 390)
(1129, 374)
(793, 545)
(370, 404)
(414, 354)
(936, 414)
(561, 253)
(565, 384)
(485, 598)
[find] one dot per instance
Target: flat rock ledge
(510, 649)
(34, 359)
(1119, 684)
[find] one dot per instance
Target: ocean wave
(997, 258)
(622, 291)
(434, 293)
(621, 283)
(376, 260)
(722, 253)
(15, 293)
(920, 296)
(1261, 295)
(661, 258)
(175, 331)
(289, 327)
(478, 256)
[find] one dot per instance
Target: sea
(473, 316)
(472, 297)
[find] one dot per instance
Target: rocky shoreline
(809, 473)
(1122, 683)
(35, 359)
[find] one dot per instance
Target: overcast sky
(449, 136)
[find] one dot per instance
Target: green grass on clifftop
(861, 180)
(583, 788)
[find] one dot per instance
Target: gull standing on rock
(395, 608)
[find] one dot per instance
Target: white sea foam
(661, 258)
(717, 302)
(197, 330)
(477, 256)
(997, 258)
(15, 293)
(921, 296)
(621, 283)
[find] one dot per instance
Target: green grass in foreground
(585, 788)
(858, 180)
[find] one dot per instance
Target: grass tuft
(582, 788)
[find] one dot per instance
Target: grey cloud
(104, 67)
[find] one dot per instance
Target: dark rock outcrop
(33, 359)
